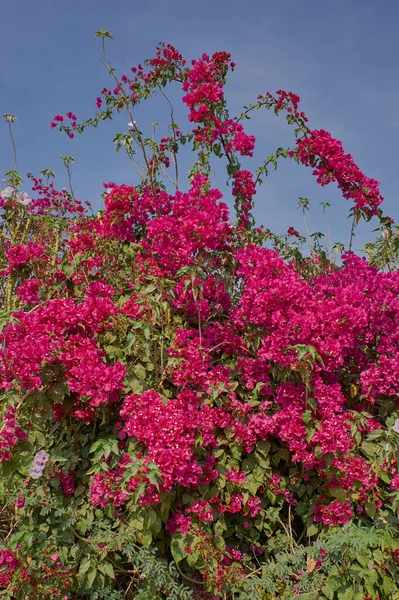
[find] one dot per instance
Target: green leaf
(384, 476)
(177, 548)
(375, 435)
(328, 591)
(84, 566)
(103, 33)
(59, 459)
(68, 537)
(91, 577)
(96, 445)
(108, 569)
(247, 466)
(263, 447)
(150, 288)
(338, 493)
(146, 539)
(79, 490)
(307, 417)
(334, 582)
(388, 586)
(312, 530)
(140, 372)
(345, 592)
(368, 449)
(371, 509)
(192, 559)
(232, 169)
(152, 517)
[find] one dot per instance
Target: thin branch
(307, 231)
(135, 128)
(14, 149)
(164, 171)
(221, 138)
(173, 153)
(187, 577)
(352, 235)
(68, 168)
(330, 253)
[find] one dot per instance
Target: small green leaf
(59, 459)
(103, 33)
(108, 569)
(79, 490)
(371, 509)
(84, 566)
(375, 435)
(334, 582)
(312, 530)
(345, 592)
(338, 493)
(150, 288)
(177, 548)
(368, 449)
(327, 591)
(91, 577)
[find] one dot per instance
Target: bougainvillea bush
(193, 407)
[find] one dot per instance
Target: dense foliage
(194, 407)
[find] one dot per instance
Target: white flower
(35, 472)
(387, 447)
(21, 197)
(7, 193)
(39, 462)
(396, 426)
(132, 124)
(41, 457)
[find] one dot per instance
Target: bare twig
(11, 119)
(173, 153)
(135, 128)
(352, 234)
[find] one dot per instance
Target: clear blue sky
(341, 58)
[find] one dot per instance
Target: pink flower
(326, 155)
(236, 476)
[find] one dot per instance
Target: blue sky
(340, 57)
